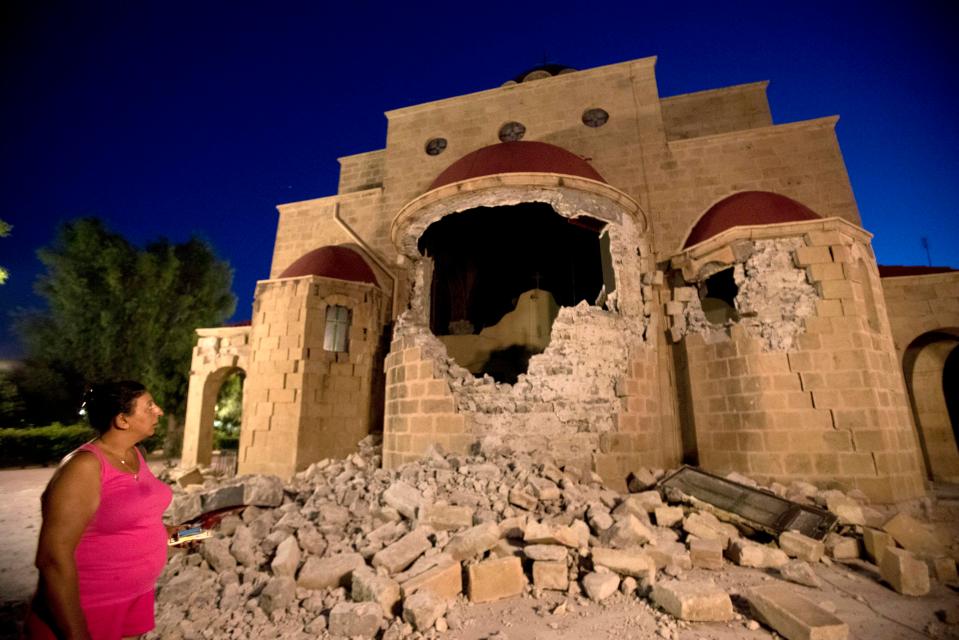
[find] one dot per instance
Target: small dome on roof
(748, 208)
(539, 72)
(334, 261)
(516, 157)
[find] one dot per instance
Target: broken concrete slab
(694, 601)
(793, 616)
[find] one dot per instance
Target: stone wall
(302, 403)
(819, 399)
(218, 353)
(706, 113)
(361, 171)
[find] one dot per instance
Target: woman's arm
(69, 502)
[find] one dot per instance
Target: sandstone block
(668, 516)
(550, 575)
(216, 552)
(445, 517)
(444, 580)
(913, 536)
(423, 609)
(746, 554)
(842, 547)
(695, 601)
(522, 499)
(599, 586)
(278, 594)
(546, 552)
(574, 536)
(367, 586)
(496, 579)
(876, 542)
(287, 558)
(628, 563)
(706, 554)
(640, 480)
(792, 616)
(800, 572)
(545, 490)
(708, 527)
(355, 619)
(403, 498)
(904, 572)
(186, 477)
(403, 552)
(945, 570)
(334, 571)
(473, 541)
(796, 545)
(627, 532)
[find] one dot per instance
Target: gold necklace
(136, 474)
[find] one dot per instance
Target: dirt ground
(852, 591)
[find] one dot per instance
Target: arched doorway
(931, 370)
(227, 421)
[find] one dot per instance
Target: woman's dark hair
(104, 402)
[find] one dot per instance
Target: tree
(5, 228)
(115, 311)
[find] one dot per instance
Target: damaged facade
(572, 264)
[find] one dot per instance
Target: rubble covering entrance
(503, 544)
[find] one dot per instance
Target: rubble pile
(348, 549)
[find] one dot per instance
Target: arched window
(337, 333)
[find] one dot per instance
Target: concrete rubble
(350, 550)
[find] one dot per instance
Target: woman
(102, 544)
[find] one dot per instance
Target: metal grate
(761, 509)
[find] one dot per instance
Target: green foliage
(5, 228)
(229, 413)
(41, 445)
(118, 312)
(11, 404)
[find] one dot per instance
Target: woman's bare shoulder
(78, 469)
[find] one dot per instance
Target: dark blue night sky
(172, 119)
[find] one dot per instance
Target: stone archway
(931, 384)
(219, 354)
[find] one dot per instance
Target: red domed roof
(748, 208)
(516, 157)
(337, 262)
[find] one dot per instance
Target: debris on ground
(348, 549)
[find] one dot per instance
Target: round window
(435, 146)
(511, 132)
(595, 117)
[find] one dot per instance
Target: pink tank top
(123, 549)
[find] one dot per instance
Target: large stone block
(695, 601)
(876, 543)
(550, 575)
(706, 554)
(445, 580)
(445, 517)
(904, 572)
(627, 563)
(599, 586)
(474, 541)
(368, 586)
(403, 552)
(356, 620)
(796, 545)
(323, 573)
(496, 579)
(792, 616)
(913, 536)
